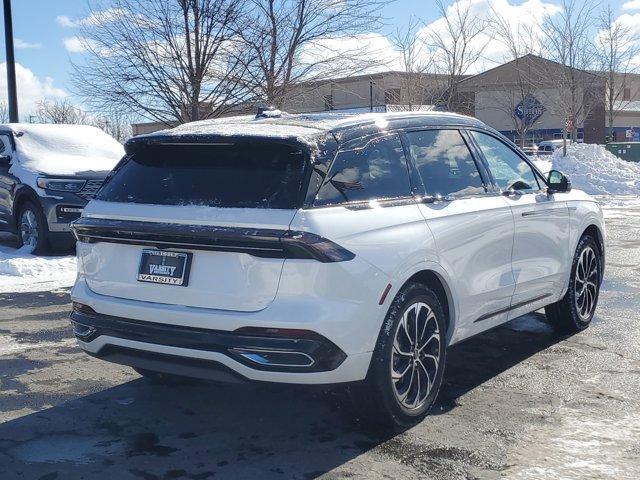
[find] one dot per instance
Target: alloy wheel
(415, 357)
(29, 231)
(586, 283)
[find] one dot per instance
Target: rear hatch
(194, 224)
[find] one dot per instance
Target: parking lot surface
(518, 402)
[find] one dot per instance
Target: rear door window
(510, 171)
(248, 174)
(366, 169)
(445, 163)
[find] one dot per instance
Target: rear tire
(33, 231)
(408, 363)
(575, 310)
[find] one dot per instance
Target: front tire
(575, 310)
(33, 231)
(408, 363)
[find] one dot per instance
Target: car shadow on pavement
(481, 358)
(142, 430)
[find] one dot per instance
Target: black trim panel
(171, 364)
(326, 355)
(259, 242)
(512, 307)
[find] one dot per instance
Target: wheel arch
(23, 195)
(436, 282)
(595, 232)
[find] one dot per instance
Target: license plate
(169, 268)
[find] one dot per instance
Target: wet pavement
(518, 402)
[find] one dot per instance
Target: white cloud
(19, 43)
(65, 21)
(31, 89)
(74, 44)
(631, 5)
(95, 18)
(530, 13)
(630, 22)
(386, 57)
(77, 44)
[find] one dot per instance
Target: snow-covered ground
(23, 272)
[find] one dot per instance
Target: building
(533, 98)
(529, 99)
(384, 91)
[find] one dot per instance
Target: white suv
(316, 249)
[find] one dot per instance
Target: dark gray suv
(47, 175)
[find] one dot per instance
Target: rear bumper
(192, 349)
(296, 352)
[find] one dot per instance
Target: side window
(510, 171)
(366, 169)
(445, 163)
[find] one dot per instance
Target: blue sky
(46, 60)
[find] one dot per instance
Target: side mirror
(558, 182)
(5, 160)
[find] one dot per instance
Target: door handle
(511, 193)
(437, 198)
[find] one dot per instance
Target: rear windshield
(241, 175)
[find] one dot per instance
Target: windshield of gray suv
(249, 174)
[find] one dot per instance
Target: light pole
(11, 63)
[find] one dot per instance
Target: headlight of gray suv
(61, 184)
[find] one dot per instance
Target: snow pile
(543, 163)
(65, 149)
(596, 171)
(23, 272)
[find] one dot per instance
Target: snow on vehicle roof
(299, 126)
(58, 149)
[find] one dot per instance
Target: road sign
(569, 125)
(529, 110)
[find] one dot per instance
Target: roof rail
(269, 112)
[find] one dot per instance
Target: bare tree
(617, 46)
(117, 125)
(566, 39)
(519, 102)
(162, 59)
(4, 112)
(419, 84)
(289, 43)
(458, 40)
(60, 111)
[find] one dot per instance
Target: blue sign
(529, 110)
